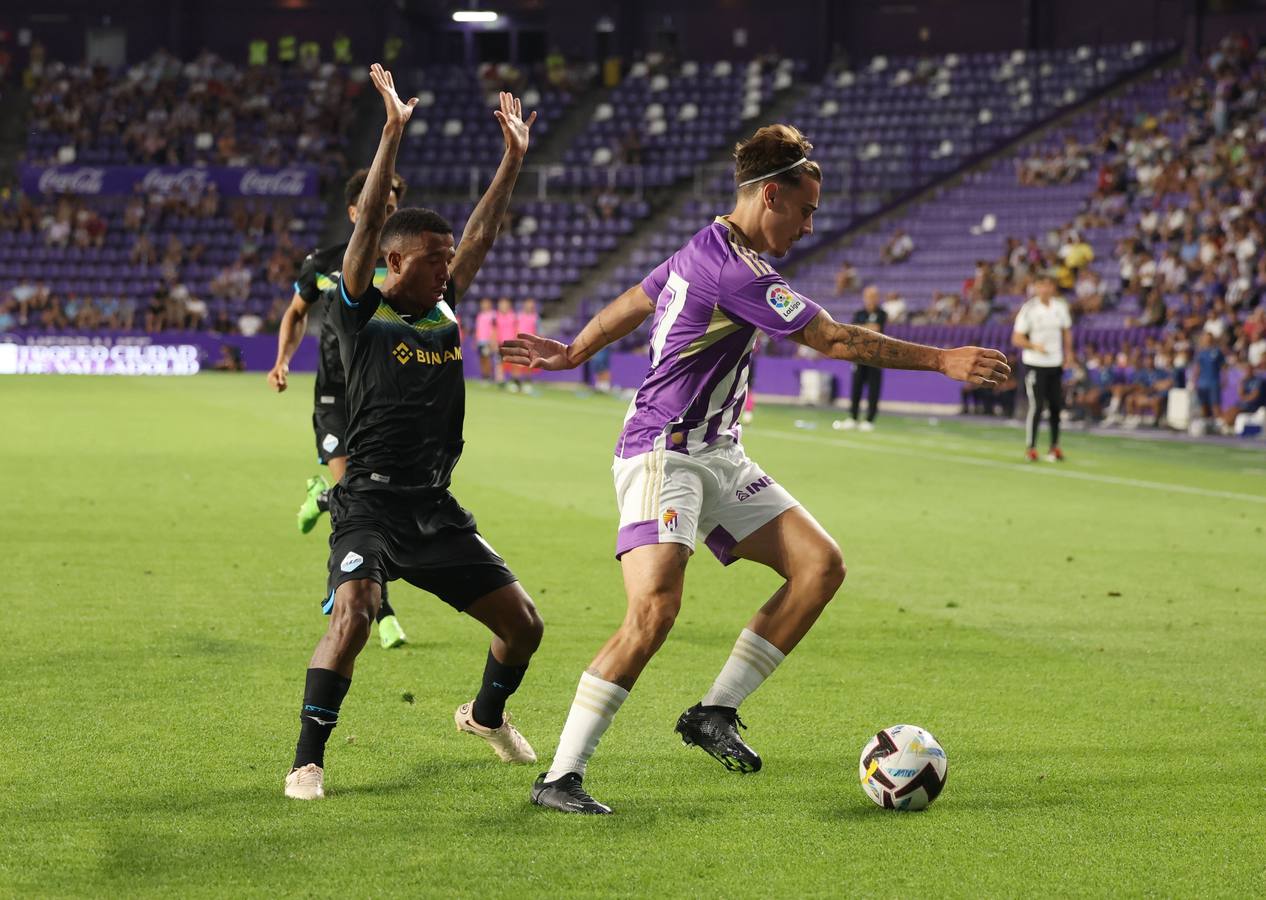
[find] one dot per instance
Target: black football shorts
(422, 536)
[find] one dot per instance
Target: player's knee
(651, 621)
(355, 605)
(824, 570)
(527, 629)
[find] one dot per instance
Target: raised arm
(481, 229)
(618, 318)
(854, 343)
(361, 255)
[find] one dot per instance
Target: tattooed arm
(870, 348)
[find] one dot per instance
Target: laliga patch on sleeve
(784, 301)
(330, 442)
(351, 561)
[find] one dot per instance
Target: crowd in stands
(1189, 183)
(150, 233)
(203, 112)
(180, 257)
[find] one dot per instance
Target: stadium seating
(896, 125)
(971, 220)
(453, 132)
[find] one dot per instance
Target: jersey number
(676, 289)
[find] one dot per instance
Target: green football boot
(390, 633)
(311, 510)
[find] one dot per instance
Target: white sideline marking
(1027, 468)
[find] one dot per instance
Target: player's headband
(800, 162)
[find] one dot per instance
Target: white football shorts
(667, 497)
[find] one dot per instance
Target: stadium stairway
(550, 151)
(361, 144)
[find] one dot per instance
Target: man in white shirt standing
(1043, 332)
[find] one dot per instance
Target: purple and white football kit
(680, 469)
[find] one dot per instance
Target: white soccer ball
(903, 767)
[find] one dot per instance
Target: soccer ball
(903, 767)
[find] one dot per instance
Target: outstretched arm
(481, 229)
(976, 365)
(371, 209)
(618, 318)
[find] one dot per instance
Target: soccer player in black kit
(317, 275)
(392, 513)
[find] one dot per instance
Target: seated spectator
(71, 308)
(90, 229)
(1100, 380)
(1089, 293)
(134, 214)
(57, 230)
(845, 279)
(249, 324)
(156, 311)
(193, 311)
(894, 306)
(8, 315)
(1251, 397)
(898, 248)
(1154, 314)
(1147, 404)
(143, 252)
(1075, 254)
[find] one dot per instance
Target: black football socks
(322, 696)
(500, 681)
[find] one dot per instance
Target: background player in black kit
(317, 275)
(392, 513)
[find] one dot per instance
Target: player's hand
(536, 352)
(398, 112)
(513, 128)
(277, 377)
(975, 365)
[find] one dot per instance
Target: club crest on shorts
(351, 561)
(329, 443)
(783, 301)
(670, 519)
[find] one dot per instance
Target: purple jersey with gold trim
(711, 298)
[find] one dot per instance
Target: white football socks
(595, 705)
(751, 662)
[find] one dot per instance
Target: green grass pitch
(1088, 642)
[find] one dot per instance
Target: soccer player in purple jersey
(680, 470)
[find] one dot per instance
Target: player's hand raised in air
(398, 111)
(976, 365)
(513, 127)
(536, 352)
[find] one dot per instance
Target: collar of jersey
(734, 230)
(437, 317)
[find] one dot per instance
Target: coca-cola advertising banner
(91, 181)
